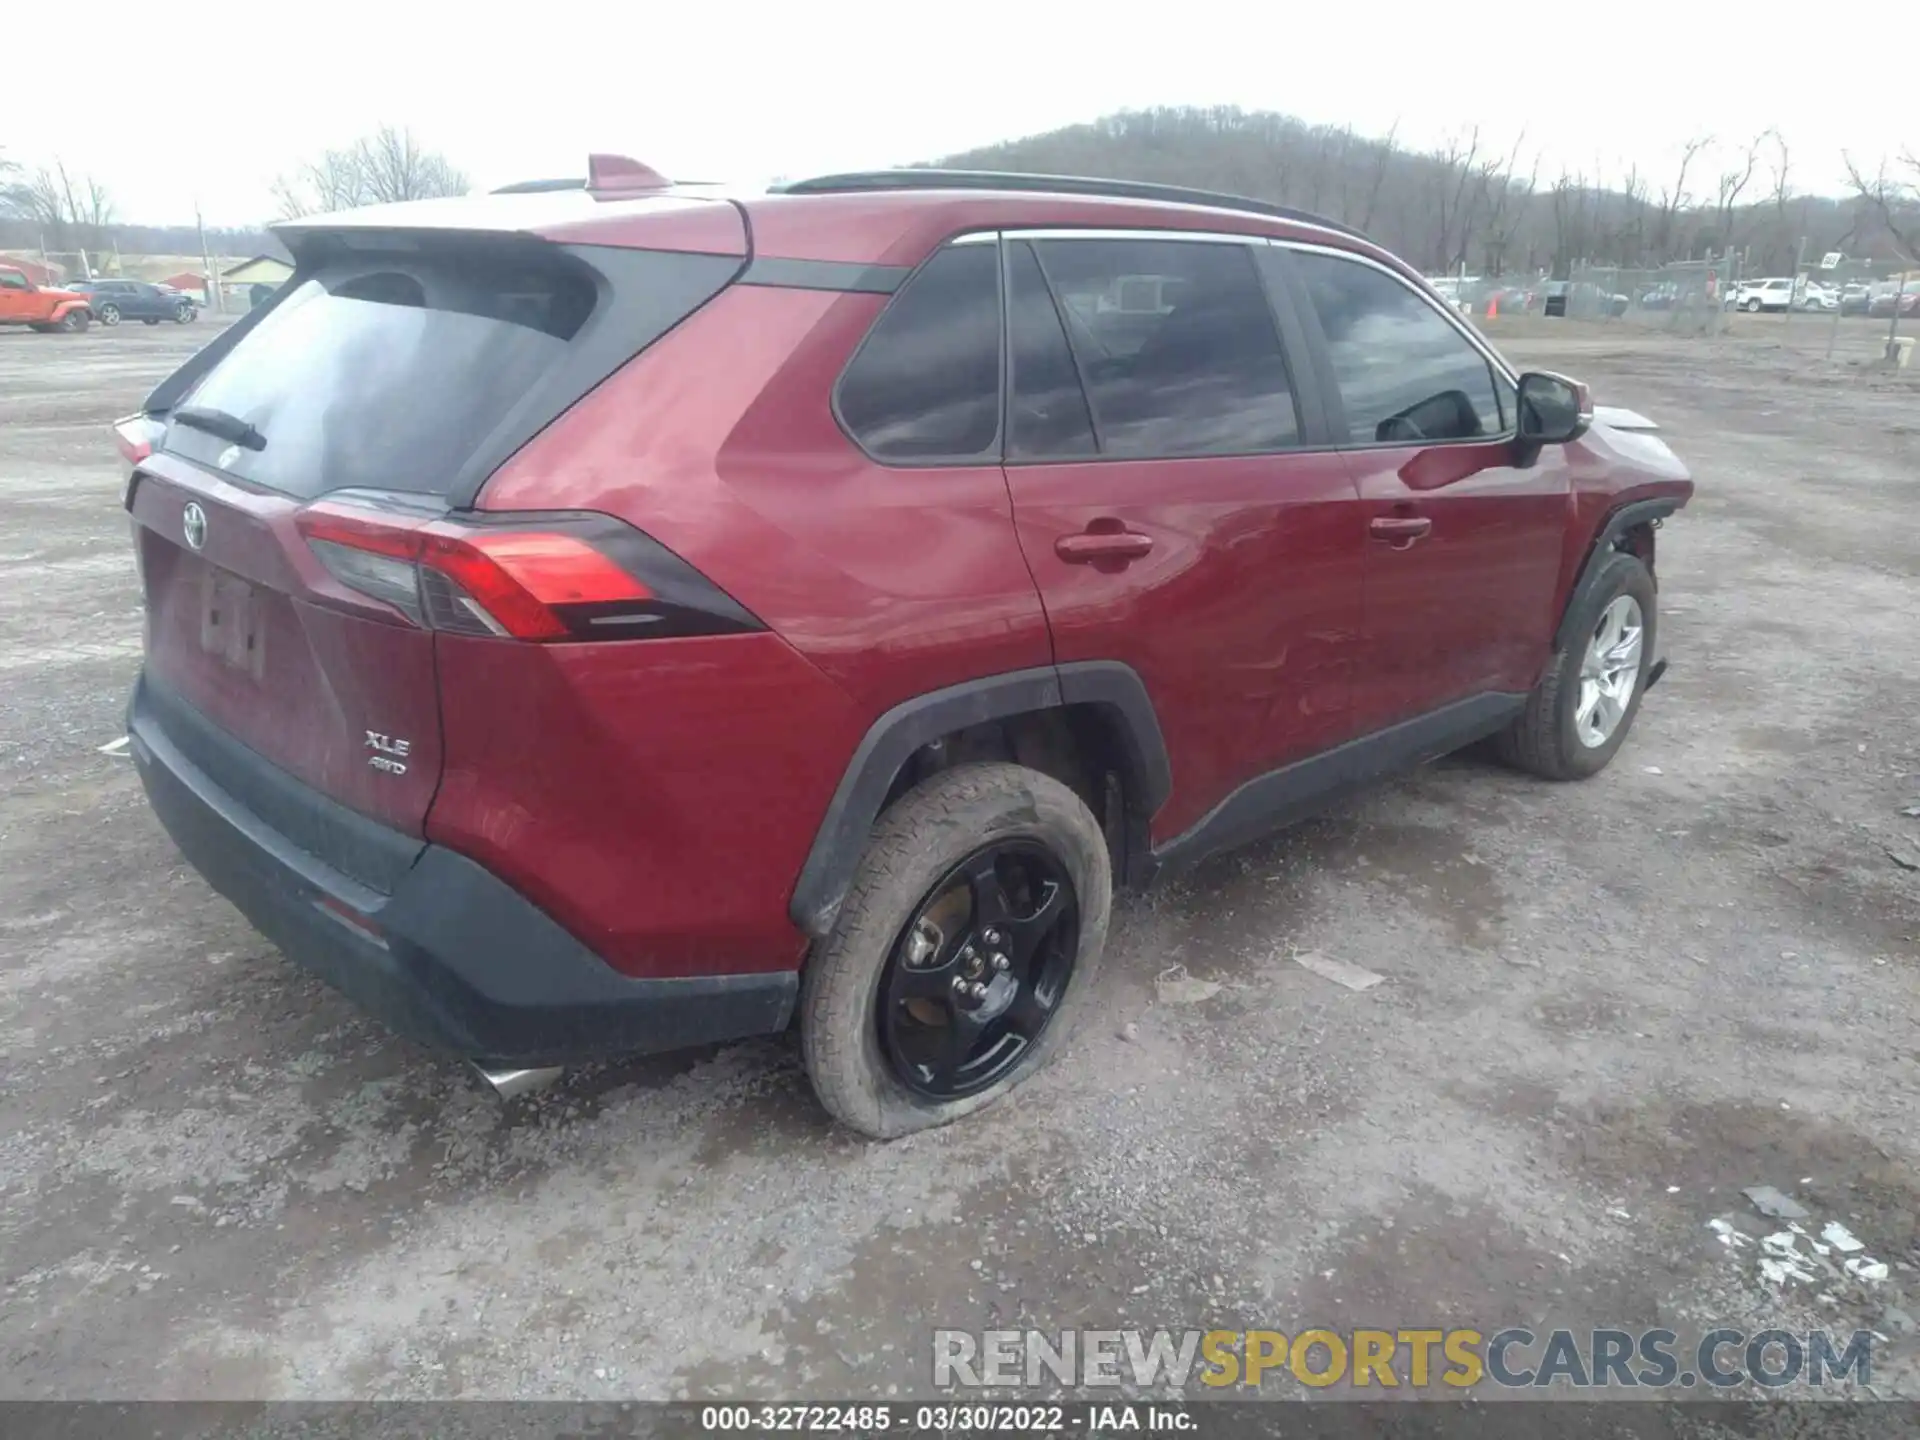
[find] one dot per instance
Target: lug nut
(977, 990)
(959, 986)
(1002, 964)
(992, 937)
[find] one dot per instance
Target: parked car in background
(1456, 290)
(1818, 297)
(1884, 301)
(559, 687)
(1772, 293)
(24, 303)
(117, 300)
(1511, 299)
(1584, 300)
(1855, 298)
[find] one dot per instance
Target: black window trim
(1323, 351)
(994, 454)
(1303, 344)
(1315, 436)
(1007, 243)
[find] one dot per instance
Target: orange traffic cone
(1493, 307)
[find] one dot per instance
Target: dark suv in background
(612, 616)
(117, 300)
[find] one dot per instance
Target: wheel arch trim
(893, 738)
(1617, 522)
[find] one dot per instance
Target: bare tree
(1732, 182)
(73, 211)
(13, 189)
(1568, 201)
(1674, 199)
(1633, 224)
(1892, 202)
(1507, 202)
(1451, 212)
(386, 166)
(1383, 161)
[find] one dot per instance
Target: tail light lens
(520, 577)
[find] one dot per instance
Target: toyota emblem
(193, 524)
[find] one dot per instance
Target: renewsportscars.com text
(1456, 1359)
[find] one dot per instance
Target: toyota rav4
(608, 616)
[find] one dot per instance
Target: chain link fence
(1689, 296)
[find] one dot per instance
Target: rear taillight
(521, 577)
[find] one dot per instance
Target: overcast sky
(728, 91)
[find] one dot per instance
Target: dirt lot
(1608, 1007)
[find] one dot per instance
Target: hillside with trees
(1469, 205)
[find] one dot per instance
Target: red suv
(608, 617)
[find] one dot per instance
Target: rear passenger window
(925, 384)
(1176, 345)
(1406, 374)
(1047, 412)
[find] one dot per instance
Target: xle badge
(389, 754)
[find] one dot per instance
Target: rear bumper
(453, 956)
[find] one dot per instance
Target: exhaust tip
(509, 1083)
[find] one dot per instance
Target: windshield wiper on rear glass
(221, 424)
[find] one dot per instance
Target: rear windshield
(386, 372)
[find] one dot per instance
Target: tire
(73, 322)
(150, 320)
(183, 315)
(917, 845)
(1752, 307)
(108, 315)
(1545, 739)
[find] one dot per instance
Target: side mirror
(1553, 409)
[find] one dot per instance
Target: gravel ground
(1608, 1008)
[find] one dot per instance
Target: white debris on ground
(1174, 986)
(1840, 1238)
(1794, 1254)
(1341, 972)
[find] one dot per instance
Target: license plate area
(230, 624)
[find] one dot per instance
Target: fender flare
(1616, 524)
(66, 308)
(892, 739)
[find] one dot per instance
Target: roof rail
(878, 180)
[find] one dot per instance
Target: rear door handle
(1399, 530)
(1094, 545)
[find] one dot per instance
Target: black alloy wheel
(977, 975)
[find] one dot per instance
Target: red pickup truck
(24, 303)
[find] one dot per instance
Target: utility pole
(206, 261)
(1833, 330)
